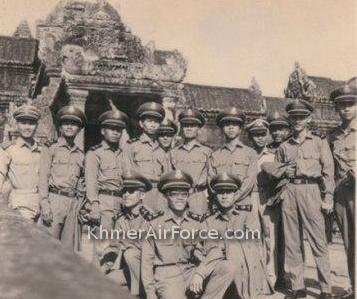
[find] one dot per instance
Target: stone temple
(84, 55)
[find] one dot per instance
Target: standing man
(263, 190)
(169, 263)
(133, 217)
(192, 157)
(166, 135)
(145, 154)
(343, 143)
(62, 171)
(307, 195)
(20, 164)
(104, 165)
(279, 130)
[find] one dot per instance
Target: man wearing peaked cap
(62, 176)
(19, 164)
(263, 189)
(192, 157)
(235, 157)
(168, 264)
(145, 154)
(165, 134)
(310, 171)
(279, 130)
(105, 164)
(133, 217)
(343, 140)
(243, 257)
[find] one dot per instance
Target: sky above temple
(227, 42)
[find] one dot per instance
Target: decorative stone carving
(23, 30)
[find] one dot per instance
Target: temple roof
(22, 51)
(23, 30)
(326, 85)
(213, 98)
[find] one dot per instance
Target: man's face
(347, 110)
(177, 199)
(226, 198)
(149, 124)
(189, 131)
(69, 128)
(132, 197)
(26, 127)
(279, 133)
(299, 122)
(165, 140)
(259, 139)
(231, 129)
(111, 134)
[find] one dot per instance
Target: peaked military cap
(225, 181)
(71, 113)
(231, 114)
(134, 180)
(27, 112)
(258, 125)
(151, 109)
(299, 107)
(167, 127)
(175, 179)
(277, 120)
(192, 116)
(346, 93)
(113, 118)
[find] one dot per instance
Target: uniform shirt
(20, 163)
(264, 185)
(192, 158)
(147, 157)
(61, 167)
(237, 159)
(167, 251)
(343, 144)
(313, 159)
(104, 167)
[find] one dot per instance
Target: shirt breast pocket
(240, 168)
(21, 167)
(143, 161)
(110, 170)
(60, 166)
(311, 155)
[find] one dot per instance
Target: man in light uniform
(343, 143)
(20, 163)
(166, 135)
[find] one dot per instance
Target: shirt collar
(106, 146)
(132, 214)
(190, 146)
(235, 143)
(144, 138)
(21, 143)
(63, 143)
(295, 141)
(170, 216)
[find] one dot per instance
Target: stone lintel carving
(77, 97)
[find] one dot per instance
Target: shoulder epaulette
(132, 140)
(247, 208)
(148, 215)
(94, 147)
(319, 134)
(48, 143)
(194, 216)
(206, 145)
(210, 213)
(121, 214)
(7, 144)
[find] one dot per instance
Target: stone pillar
(78, 98)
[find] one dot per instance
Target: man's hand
(196, 284)
(94, 215)
(46, 212)
(290, 171)
(327, 204)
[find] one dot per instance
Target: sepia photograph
(185, 149)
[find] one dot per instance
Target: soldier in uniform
(250, 277)
(133, 217)
(235, 157)
(104, 165)
(279, 130)
(192, 157)
(307, 194)
(145, 154)
(169, 263)
(343, 143)
(166, 134)
(20, 163)
(263, 190)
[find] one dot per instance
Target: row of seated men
(280, 189)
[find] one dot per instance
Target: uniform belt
(303, 181)
(171, 264)
(62, 192)
(111, 193)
